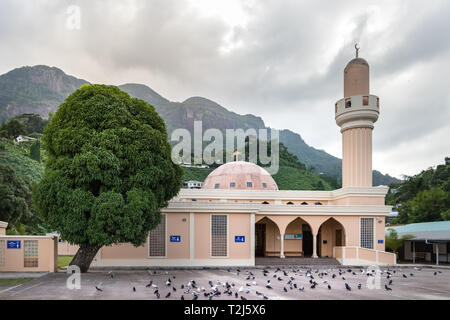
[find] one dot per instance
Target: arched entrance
(267, 235)
(331, 234)
(298, 239)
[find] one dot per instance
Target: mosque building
(239, 214)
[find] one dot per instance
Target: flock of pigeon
(288, 278)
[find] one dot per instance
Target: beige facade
(28, 253)
(268, 222)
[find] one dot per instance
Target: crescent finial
(357, 49)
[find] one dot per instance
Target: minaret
(355, 114)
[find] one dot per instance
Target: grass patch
(14, 282)
(63, 261)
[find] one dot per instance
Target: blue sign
(175, 238)
(239, 238)
(380, 241)
(13, 244)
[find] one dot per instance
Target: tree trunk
(84, 257)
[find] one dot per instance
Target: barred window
(232, 184)
(30, 253)
(264, 185)
(219, 239)
(367, 233)
(2, 253)
(249, 184)
(157, 239)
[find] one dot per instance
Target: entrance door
(339, 238)
(260, 239)
(307, 241)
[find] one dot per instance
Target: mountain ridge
(41, 89)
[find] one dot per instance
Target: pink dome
(240, 175)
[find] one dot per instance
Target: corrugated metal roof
(439, 230)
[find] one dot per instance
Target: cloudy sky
(281, 60)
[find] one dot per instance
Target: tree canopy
(108, 170)
(15, 196)
(424, 197)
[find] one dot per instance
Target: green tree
(393, 242)
(15, 196)
(35, 151)
(427, 205)
(12, 129)
(108, 171)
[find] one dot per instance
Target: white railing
(373, 255)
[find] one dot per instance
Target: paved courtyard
(425, 283)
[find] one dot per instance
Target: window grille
(249, 184)
(30, 253)
(264, 185)
(219, 228)
(367, 233)
(157, 239)
(216, 186)
(232, 184)
(2, 253)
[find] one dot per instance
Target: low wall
(363, 256)
(67, 249)
(28, 253)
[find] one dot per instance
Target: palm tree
(393, 242)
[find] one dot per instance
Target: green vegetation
(108, 171)
(12, 129)
(64, 261)
(17, 156)
(424, 197)
(292, 174)
(14, 282)
(393, 242)
(15, 196)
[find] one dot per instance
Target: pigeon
(111, 274)
(149, 284)
(236, 295)
(359, 286)
(168, 295)
(174, 289)
(348, 287)
(268, 286)
(182, 297)
(301, 288)
(404, 276)
(158, 295)
(134, 289)
(390, 282)
(387, 288)
(329, 287)
(243, 298)
(98, 289)
(284, 289)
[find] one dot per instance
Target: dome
(356, 62)
(356, 78)
(240, 175)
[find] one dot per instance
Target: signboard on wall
(296, 236)
(380, 241)
(175, 238)
(239, 238)
(13, 244)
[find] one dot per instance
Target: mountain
(41, 89)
